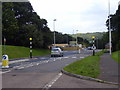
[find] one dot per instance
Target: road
(45, 72)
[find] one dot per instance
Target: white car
(56, 52)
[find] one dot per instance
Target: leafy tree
(9, 23)
(115, 27)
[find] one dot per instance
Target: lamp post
(54, 30)
(76, 38)
(110, 45)
(4, 46)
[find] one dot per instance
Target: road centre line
(47, 86)
(74, 57)
(66, 57)
(82, 57)
(20, 67)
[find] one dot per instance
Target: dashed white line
(20, 67)
(66, 57)
(82, 57)
(47, 86)
(74, 57)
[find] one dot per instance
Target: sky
(75, 16)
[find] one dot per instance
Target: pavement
(109, 69)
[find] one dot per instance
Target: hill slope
(88, 36)
(18, 52)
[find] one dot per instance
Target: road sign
(4, 57)
(5, 61)
(93, 47)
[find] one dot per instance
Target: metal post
(76, 37)
(4, 46)
(54, 30)
(30, 47)
(93, 45)
(110, 45)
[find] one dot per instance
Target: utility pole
(4, 46)
(76, 38)
(109, 28)
(54, 30)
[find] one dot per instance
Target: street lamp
(4, 46)
(54, 30)
(110, 45)
(76, 37)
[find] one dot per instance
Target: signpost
(4, 46)
(5, 59)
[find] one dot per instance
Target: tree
(9, 23)
(115, 27)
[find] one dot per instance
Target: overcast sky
(82, 15)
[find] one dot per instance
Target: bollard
(79, 51)
(5, 61)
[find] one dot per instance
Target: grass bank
(116, 56)
(88, 66)
(18, 52)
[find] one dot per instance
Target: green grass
(116, 56)
(89, 66)
(18, 52)
(100, 53)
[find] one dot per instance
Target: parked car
(56, 52)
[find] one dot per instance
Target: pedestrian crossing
(25, 63)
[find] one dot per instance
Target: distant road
(45, 72)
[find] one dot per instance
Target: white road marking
(66, 64)
(74, 57)
(82, 57)
(37, 63)
(5, 72)
(47, 86)
(66, 57)
(42, 58)
(20, 67)
(10, 62)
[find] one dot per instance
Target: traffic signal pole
(30, 47)
(93, 47)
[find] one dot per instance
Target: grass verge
(116, 55)
(15, 52)
(88, 66)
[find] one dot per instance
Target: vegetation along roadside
(116, 55)
(15, 52)
(88, 66)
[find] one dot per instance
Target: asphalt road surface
(45, 72)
